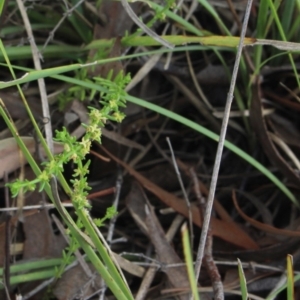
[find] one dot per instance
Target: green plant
(243, 282)
(189, 261)
(74, 150)
(290, 277)
(112, 99)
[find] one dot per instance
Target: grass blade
(243, 282)
(290, 278)
(189, 261)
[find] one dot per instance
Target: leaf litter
(151, 207)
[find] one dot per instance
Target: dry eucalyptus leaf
(11, 157)
(40, 240)
(75, 284)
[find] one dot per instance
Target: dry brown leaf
(40, 240)
(75, 284)
(16, 107)
(262, 226)
(10, 153)
(274, 252)
(282, 100)
(102, 70)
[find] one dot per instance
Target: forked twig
(216, 169)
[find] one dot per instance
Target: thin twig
(208, 259)
(149, 146)
(212, 269)
(111, 227)
(174, 31)
(185, 196)
(33, 207)
(214, 179)
(7, 243)
(197, 84)
(192, 9)
(37, 64)
(112, 222)
(234, 14)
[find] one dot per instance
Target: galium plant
(76, 151)
(112, 99)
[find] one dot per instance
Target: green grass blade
(32, 265)
(112, 281)
(32, 276)
(109, 272)
(282, 288)
(294, 31)
(215, 15)
(243, 282)
(76, 20)
(283, 36)
(2, 2)
(212, 42)
(34, 75)
(290, 278)
(175, 17)
(287, 15)
(260, 31)
(31, 271)
(189, 261)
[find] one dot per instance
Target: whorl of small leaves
(111, 101)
